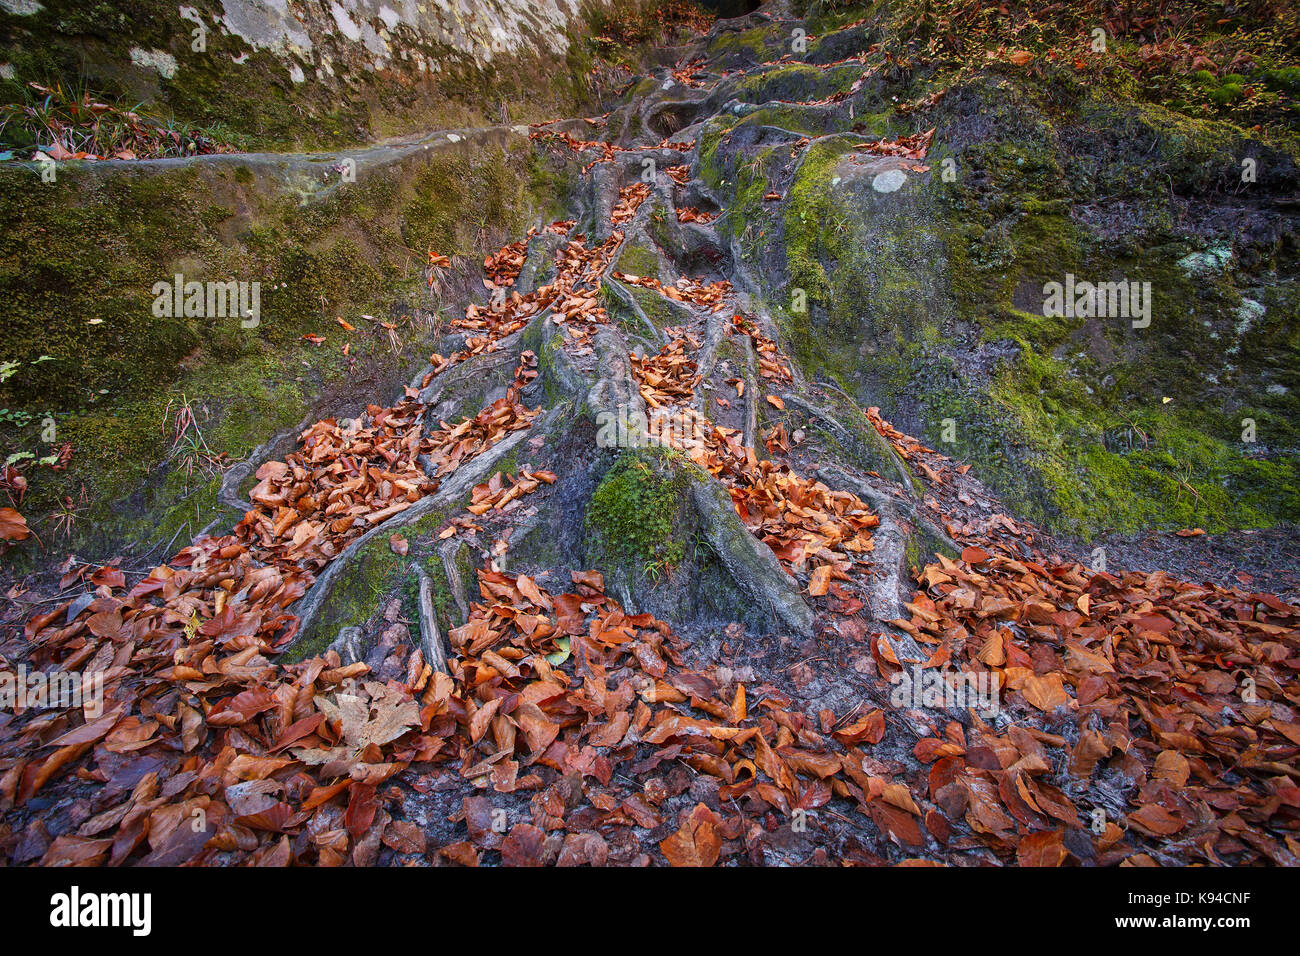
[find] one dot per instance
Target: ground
(747, 507)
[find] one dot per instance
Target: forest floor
(755, 664)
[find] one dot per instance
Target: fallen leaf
(697, 842)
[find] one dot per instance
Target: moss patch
(635, 511)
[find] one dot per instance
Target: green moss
(660, 310)
(1101, 471)
(635, 259)
(1285, 78)
(549, 183)
(1042, 429)
(89, 44)
(506, 465)
(797, 82)
(848, 277)
(78, 265)
(813, 238)
(1227, 93)
(635, 510)
(750, 45)
(642, 89)
(712, 133)
(373, 573)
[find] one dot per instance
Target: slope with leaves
(1141, 720)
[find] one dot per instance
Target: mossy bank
(100, 370)
(921, 287)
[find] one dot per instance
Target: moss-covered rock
(320, 77)
(84, 253)
(637, 512)
(924, 294)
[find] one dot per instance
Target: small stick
(430, 638)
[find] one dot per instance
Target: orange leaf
(1041, 849)
(13, 526)
(820, 582)
(697, 843)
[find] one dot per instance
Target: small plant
(76, 124)
(189, 446)
(8, 369)
(64, 518)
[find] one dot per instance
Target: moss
(1285, 78)
(638, 260)
(81, 259)
(1039, 426)
(451, 203)
(712, 133)
(1074, 402)
(846, 277)
(88, 44)
(534, 339)
(635, 511)
(1058, 431)
(549, 183)
(797, 82)
(1227, 93)
(506, 465)
(375, 572)
(658, 309)
(745, 46)
(813, 239)
(641, 89)
(1103, 471)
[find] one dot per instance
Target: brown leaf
(697, 842)
(820, 581)
(593, 579)
(523, 846)
(583, 849)
(362, 807)
(13, 526)
(1046, 692)
(1172, 766)
(1154, 820)
(1042, 849)
(870, 728)
(403, 836)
